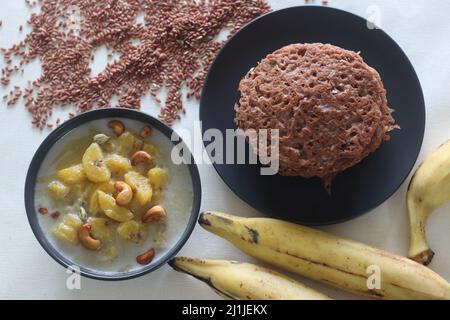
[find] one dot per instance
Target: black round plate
(356, 190)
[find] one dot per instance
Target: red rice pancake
(330, 108)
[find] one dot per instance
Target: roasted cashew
(141, 156)
(146, 257)
(156, 213)
(117, 126)
(125, 193)
(84, 234)
(145, 132)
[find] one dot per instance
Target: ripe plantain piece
(244, 281)
(429, 189)
(94, 164)
(336, 261)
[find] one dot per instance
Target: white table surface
(421, 28)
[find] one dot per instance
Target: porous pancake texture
(330, 108)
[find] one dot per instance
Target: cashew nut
(145, 132)
(117, 126)
(146, 257)
(156, 213)
(125, 193)
(141, 156)
(84, 234)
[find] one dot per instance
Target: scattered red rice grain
(177, 44)
(43, 211)
(55, 215)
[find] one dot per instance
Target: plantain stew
(111, 194)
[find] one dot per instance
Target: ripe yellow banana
(340, 262)
(429, 189)
(244, 281)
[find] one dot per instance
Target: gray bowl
(47, 145)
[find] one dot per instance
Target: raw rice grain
(177, 43)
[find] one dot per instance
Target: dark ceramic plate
(355, 191)
(65, 129)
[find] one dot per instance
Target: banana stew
(112, 198)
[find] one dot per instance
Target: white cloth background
(421, 28)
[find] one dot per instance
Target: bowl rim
(66, 128)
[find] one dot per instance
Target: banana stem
(419, 249)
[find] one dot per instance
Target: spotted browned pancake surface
(330, 108)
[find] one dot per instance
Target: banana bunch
(429, 189)
(340, 262)
(244, 281)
